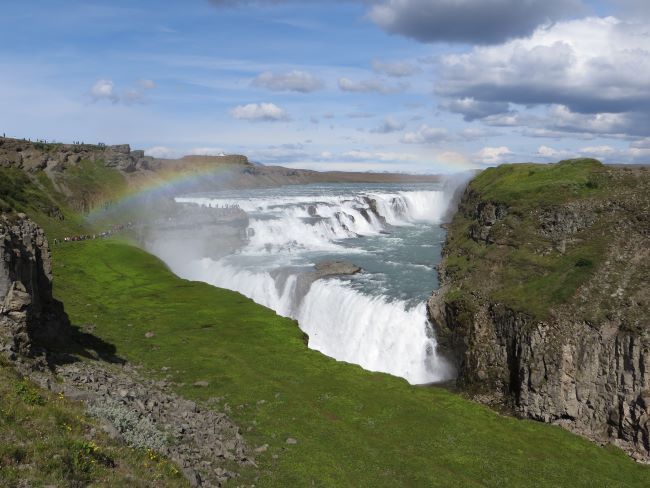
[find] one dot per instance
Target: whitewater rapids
(376, 319)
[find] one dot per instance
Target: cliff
(29, 316)
(544, 304)
(55, 157)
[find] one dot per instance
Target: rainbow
(156, 186)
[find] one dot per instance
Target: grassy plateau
(522, 268)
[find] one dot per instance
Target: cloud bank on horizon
(381, 85)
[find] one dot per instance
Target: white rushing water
(376, 319)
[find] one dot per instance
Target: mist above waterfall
(376, 318)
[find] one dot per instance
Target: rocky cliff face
(34, 156)
(29, 316)
(545, 305)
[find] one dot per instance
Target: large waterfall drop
(377, 318)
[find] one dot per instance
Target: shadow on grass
(79, 344)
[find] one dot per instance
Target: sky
(418, 86)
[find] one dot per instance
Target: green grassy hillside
(521, 266)
(353, 427)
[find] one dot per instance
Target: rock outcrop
(29, 316)
(325, 269)
(33, 156)
(582, 360)
(205, 444)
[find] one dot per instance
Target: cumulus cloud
(559, 121)
(592, 74)
(104, 90)
(493, 155)
(161, 152)
(547, 152)
(634, 153)
(397, 69)
(259, 112)
(297, 81)
(370, 85)
(471, 21)
(472, 109)
(388, 125)
(590, 65)
(426, 135)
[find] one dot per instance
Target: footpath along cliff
(545, 300)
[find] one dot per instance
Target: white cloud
(297, 81)
(371, 85)
(259, 112)
(634, 153)
(591, 66)
(547, 152)
(396, 69)
(493, 155)
(104, 90)
(426, 135)
(161, 152)
(472, 109)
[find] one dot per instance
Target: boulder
(325, 269)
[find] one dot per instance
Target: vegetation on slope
(352, 427)
(520, 266)
(49, 440)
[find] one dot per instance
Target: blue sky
(381, 85)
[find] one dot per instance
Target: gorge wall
(544, 304)
(29, 316)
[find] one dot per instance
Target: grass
(92, 183)
(35, 195)
(353, 427)
(48, 440)
(525, 271)
(526, 186)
